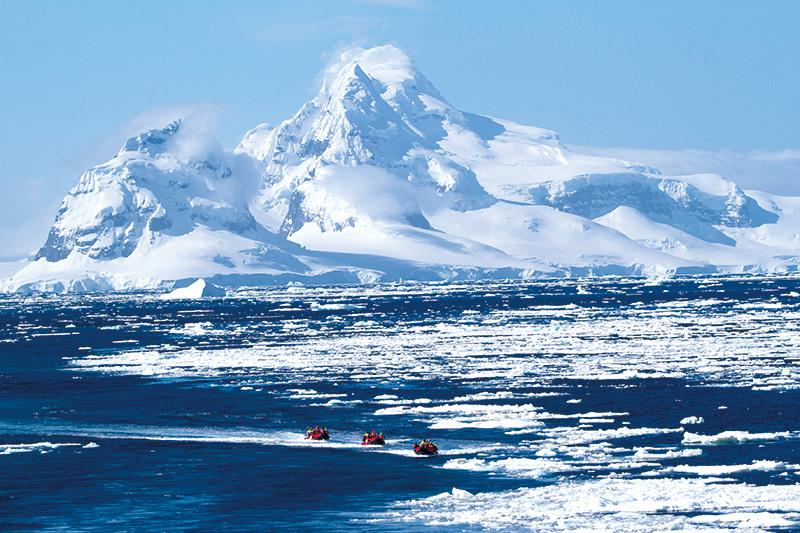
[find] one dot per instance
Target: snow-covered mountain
(380, 177)
(145, 192)
(376, 122)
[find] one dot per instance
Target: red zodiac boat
(373, 439)
(318, 433)
(425, 447)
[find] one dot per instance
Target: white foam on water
(339, 439)
(41, 447)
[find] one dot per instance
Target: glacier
(380, 178)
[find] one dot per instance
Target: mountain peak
(387, 64)
(152, 141)
(390, 70)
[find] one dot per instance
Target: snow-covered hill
(380, 177)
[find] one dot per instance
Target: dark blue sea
(620, 404)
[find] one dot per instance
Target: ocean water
(608, 404)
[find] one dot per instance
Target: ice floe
(708, 342)
(609, 504)
(735, 437)
(724, 470)
(199, 289)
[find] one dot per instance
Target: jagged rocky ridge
(380, 177)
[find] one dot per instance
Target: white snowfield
(379, 177)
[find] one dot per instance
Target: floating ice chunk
(517, 466)
(692, 420)
(524, 431)
(199, 289)
(316, 306)
(400, 402)
(546, 452)
(572, 437)
(733, 437)
(335, 401)
(303, 392)
(749, 521)
(574, 400)
(460, 494)
(721, 407)
(91, 445)
(724, 470)
(197, 329)
(481, 423)
(659, 454)
(485, 395)
(300, 394)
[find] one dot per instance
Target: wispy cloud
(201, 117)
(774, 171)
(781, 155)
(23, 228)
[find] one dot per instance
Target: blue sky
(677, 74)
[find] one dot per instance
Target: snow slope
(380, 177)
